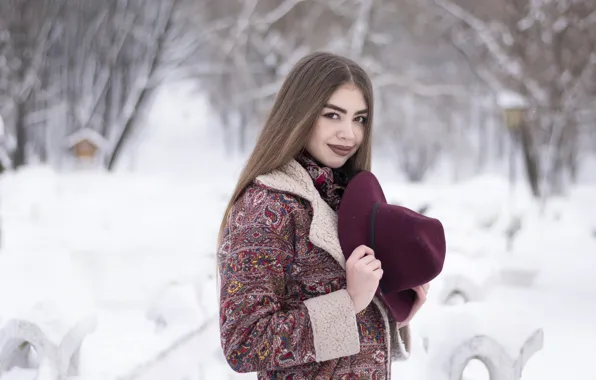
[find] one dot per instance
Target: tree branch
(512, 66)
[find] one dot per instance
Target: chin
(335, 162)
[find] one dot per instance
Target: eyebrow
(342, 110)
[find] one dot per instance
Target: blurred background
(124, 125)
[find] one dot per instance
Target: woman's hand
(363, 273)
(421, 292)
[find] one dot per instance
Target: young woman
(291, 306)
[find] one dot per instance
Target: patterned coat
(284, 309)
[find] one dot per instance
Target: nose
(346, 130)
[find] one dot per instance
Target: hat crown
(410, 246)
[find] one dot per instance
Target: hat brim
(355, 211)
(354, 229)
(400, 304)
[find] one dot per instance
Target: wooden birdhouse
(85, 149)
(87, 145)
(514, 108)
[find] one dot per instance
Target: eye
(331, 115)
(361, 119)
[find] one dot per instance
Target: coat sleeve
(258, 331)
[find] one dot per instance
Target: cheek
(321, 133)
(315, 137)
(359, 132)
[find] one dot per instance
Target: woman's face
(340, 128)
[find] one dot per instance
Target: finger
(367, 250)
(366, 260)
(360, 252)
(378, 273)
(375, 264)
(422, 298)
(422, 291)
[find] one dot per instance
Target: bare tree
(28, 29)
(544, 51)
(436, 70)
(113, 52)
(143, 86)
(5, 161)
(89, 65)
(266, 39)
(423, 88)
(269, 37)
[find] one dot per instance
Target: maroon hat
(410, 246)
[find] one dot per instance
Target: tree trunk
(228, 134)
(571, 153)
(19, 157)
(556, 181)
(243, 130)
(572, 165)
(531, 160)
(563, 159)
(140, 106)
(146, 93)
(483, 140)
(500, 135)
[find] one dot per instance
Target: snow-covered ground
(136, 249)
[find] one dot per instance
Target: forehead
(348, 97)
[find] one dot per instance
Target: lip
(340, 150)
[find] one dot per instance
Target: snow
(87, 134)
(508, 99)
(135, 248)
(44, 288)
(560, 25)
(480, 319)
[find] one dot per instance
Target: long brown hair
(302, 97)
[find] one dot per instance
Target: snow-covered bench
(45, 315)
(60, 359)
(503, 362)
(452, 336)
(463, 280)
(518, 271)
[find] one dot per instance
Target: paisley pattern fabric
(330, 183)
(284, 310)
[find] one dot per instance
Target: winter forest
(440, 69)
(495, 97)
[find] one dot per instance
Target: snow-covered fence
(57, 358)
(518, 271)
(500, 363)
(458, 289)
(463, 280)
(453, 336)
(45, 314)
